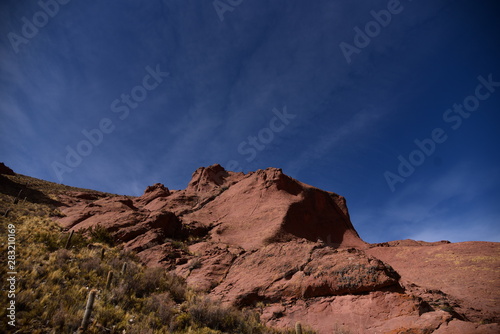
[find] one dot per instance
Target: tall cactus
(68, 242)
(298, 328)
(124, 268)
(109, 280)
(16, 200)
(88, 311)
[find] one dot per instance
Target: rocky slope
(265, 241)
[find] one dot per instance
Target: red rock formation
(266, 241)
(208, 179)
(301, 269)
(267, 206)
(155, 191)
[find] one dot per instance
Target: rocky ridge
(263, 240)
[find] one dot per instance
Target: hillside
(53, 283)
(235, 253)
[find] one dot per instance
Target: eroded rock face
(301, 269)
(266, 241)
(210, 265)
(267, 206)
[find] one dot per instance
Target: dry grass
(53, 282)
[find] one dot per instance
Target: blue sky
(277, 72)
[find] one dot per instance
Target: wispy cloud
(454, 205)
(464, 228)
(353, 130)
(226, 77)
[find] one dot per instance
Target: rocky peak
(205, 179)
(275, 177)
(155, 191)
(157, 187)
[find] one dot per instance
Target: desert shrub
(60, 258)
(50, 240)
(79, 241)
(66, 320)
(203, 312)
(176, 286)
(180, 322)
(194, 264)
(178, 244)
(90, 264)
(99, 233)
(160, 310)
(108, 316)
(152, 280)
(146, 282)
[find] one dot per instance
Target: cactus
(88, 311)
(16, 200)
(298, 328)
(109, 280)
(68, 242)
(124, 268)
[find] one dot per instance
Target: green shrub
(226, 319)
(50, 240)
(99, 233)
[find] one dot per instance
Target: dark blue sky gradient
(352, 121)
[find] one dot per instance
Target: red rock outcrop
(267, 206)
(266, 241)
(155, 191)
(301, 269)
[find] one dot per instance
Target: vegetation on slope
(52, 282)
